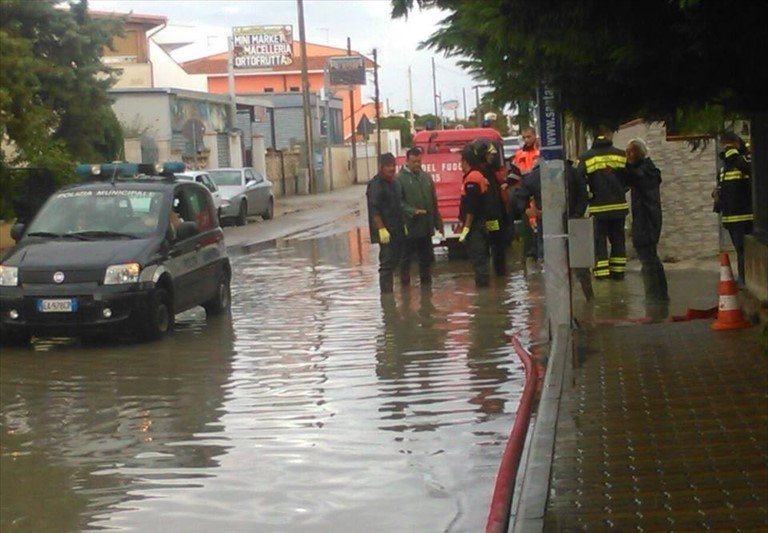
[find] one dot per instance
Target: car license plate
(63, 305)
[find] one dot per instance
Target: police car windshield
(107, 213)
(226, 178)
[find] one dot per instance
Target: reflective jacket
(495, 209)
(474, 198)
(525, 158)
(598, 166)
(735, 186)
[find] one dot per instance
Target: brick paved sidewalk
(662, 427)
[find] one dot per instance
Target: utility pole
(352, 119)
(411, 119)
(329, 152)
(434, 92)
(464, 97)
(376, 100)
(231, 80)
(478, 116)
(310, 150)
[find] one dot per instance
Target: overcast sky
(366, 22)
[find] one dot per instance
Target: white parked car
(202, 177)
(249, 193)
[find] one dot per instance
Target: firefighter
(607, 204)
(496, 224)
(733, 195)
(522, 163)
(473, 212)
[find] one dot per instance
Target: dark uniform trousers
(390, 257)
(611, 231)
(652, 270)
(498, 244)
(421, 248)
(737, 231)
(477, 249)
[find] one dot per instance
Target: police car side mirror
(17, 231)
(185, 230)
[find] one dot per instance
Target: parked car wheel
(270, 212)
(220, 303)
(242, 214)
(160, 318)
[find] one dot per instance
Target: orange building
(284, 78)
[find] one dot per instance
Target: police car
(125, 253)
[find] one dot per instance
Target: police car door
(184, 262)
(209, 243)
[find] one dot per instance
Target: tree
(398, 123)
(669, 60)
(54, 105)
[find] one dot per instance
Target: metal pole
(328, 139)
(464, 97)
(411, 118)
(478, 116)
(376, 100)
(434, 91)
(231, 79)
(352, 120)
(310, 152)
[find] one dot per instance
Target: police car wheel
(220, 303)
(242, 214)
(160, 318)
(14, 339)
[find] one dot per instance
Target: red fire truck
(442, 159)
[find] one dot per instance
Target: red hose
(501, 502)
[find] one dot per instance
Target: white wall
(167, 73)
(149, 112)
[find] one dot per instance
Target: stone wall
(690, 230)
(284, 184)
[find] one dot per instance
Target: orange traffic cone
(728, 312)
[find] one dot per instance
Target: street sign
(364, 126)
(262, 46)
(550, 125)
(451, 105)
(347, 70)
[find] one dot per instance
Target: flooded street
(319, 406)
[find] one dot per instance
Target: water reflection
(317, 407)
(82, 429)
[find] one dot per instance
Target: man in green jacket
(422, 218)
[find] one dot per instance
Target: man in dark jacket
(608, 203)
(385, 219)
(733, 195)
(644, 181)
(422, 218)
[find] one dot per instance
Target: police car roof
(152, 183)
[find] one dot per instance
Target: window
(199, 209)
(294, 89)
(268, 90)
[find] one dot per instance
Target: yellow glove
(384, 236)
(463, 234)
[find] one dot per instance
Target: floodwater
(317, 406)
